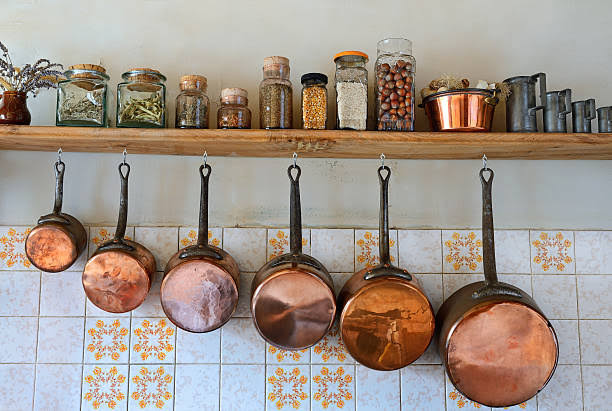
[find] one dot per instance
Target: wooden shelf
(325, 143)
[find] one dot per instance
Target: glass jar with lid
(275, 94)
(234, 111)
(314, 101)
(395, 70)
(351, 90)
(82, 97)
(192, 104)
(141, 99)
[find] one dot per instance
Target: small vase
(14, 108)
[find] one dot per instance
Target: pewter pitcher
(521, 105)
(583, 112)
(604, 119)
(558, 104)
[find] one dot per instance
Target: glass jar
(314, 101)
(141, 99)
(192, 104)
(233, 112)
(275, 94)
(351, 90)
(82, 97)
(395, 69)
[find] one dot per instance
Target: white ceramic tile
(21, 346)
(107, 340)
(243, 308)
(377, 390)
(278, 242)
(339, 279)
(98, 235)
(332, 387)
(552, 252)
(151, 387)
(331, 349)
(17, 387)
(276, 355)
(62, 294)
(366, 248)
(594, 293)
(58, 387)
(593, 252)
(198, 347)
(19, 292)
(453, 282)
(247, 246)
(531, 405)
(287, 387)
(92, 311)
(567, 336)
(60, 340)
(334, 248)
(596, 341)
(242, 385)
(431, 355)
(422, 387)
(241, 343)
(512, 251)
(105, 387)
(12, 248)
(597, 382)
(556, 295)
(152, 340)
(80, 262)
(563, 391)
(161, 241)
(522, 281)
(431, 284)
(420, 251)
(151, 306)
(462, 251)
(189, 236)
(456, 401)
(198, 387)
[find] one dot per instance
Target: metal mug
(583, 112)
(604, 119)
(521, 105)
(558, 104)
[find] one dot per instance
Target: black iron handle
(565, 97)
(123, 202)
(541, 78)
(383, 218)
(488, 241)
(493, 290)
(589, 109)
(205, 171)
(53, 218)
(60, 167)
(200, 251)
(295, 210)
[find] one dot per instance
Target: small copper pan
(199, 292)
(469, 109)
(386, 321)
(118, 276)
(292, 297)
(496, 344)
(59, 238)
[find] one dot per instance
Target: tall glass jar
(234, 111)
(82, 97)
(351, 90)
(192, 104)
(314, 101)
(141, 99)
(395, 70)
(275, 94)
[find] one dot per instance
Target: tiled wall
(61, 353)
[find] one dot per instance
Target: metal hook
(205, 157)
(382, 159)
(124, 155)
(484, 161)
(59, 155)
(295, 156)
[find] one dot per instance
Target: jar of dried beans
(233, 112)
(192, 104)
(351, 90)
(82, 97)
(275, 94)
(314, 101)
(141, 99)
(395, 69)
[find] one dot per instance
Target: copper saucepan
(386, 320)
(469, 109)
(199, 292)
(292, 297)
(59, 238)
(496, 344)
(118, 276)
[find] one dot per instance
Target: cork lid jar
(141, 99)
(193, 82)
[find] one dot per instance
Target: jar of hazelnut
(192, 104)
(395, 69)
(234, 111)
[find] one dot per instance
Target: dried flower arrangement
(447, 82)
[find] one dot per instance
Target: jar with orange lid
(141, 99)
(82, 97)
(192, 104)
(234, 111)
(351, 90)
(275, 94)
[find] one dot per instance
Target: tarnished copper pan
(496, 344)
(386, 321)
(59, 238)
(461, 110)
(199, 292)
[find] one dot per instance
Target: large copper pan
(496, 344)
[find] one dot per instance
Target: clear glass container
(234, 111)
(275, 94)
(395, 69)
(314, 101)
(192, 104)
(141, 99)
(82, 97)
(351, 90)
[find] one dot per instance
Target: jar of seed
(351, 90)
(192, 104)
(234, 111)
(141, 99)
(314, 101)
(82, 97)
(275, 94)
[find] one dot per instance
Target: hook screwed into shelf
(205, 158)
(484, 161)
(295, 156)
(124, 155)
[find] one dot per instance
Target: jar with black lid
(314, 101)
(141, 99)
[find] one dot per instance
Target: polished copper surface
(460, 110)
(51, 248)
(501, 353)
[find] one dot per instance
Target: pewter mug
(583, 112)
(556, 107)
(604, 119)
(521, 103)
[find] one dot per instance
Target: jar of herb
(351, 90)
(314, 101)
(234, 111)
(275, 94)
(192, 104)
(82, 97)
(141, 99)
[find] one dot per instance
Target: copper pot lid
(51, 248)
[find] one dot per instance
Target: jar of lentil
(192, 104)
(141, 99)
(275, 94)
(234, 111)
(314, 101)
(395, 70)
(82, 97)
(351, 90)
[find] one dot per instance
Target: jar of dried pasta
(82, 97)
(192, 104)
(314, 101)
(141, 99)
(351, 90)
(275, 94)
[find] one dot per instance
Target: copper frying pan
(496, 344)
(386, 321)
(199, 292)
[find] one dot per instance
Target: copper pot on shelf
(469, 109)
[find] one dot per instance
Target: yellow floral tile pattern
(192, 237)
(461, 400)
(287, 388)
(552, 251)
(281, 356)
(330, 349)
(153, 340)
(278, 242)
(332, 386)
(12, 251)
(107, 339)
(367, 254)
(104, 387)
(463, 251)
(104, 235)
(151, 387)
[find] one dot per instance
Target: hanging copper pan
(386, 321)
(292, 297)
(118, 276)
(59, 238)
(496, 344)
(199, 292)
